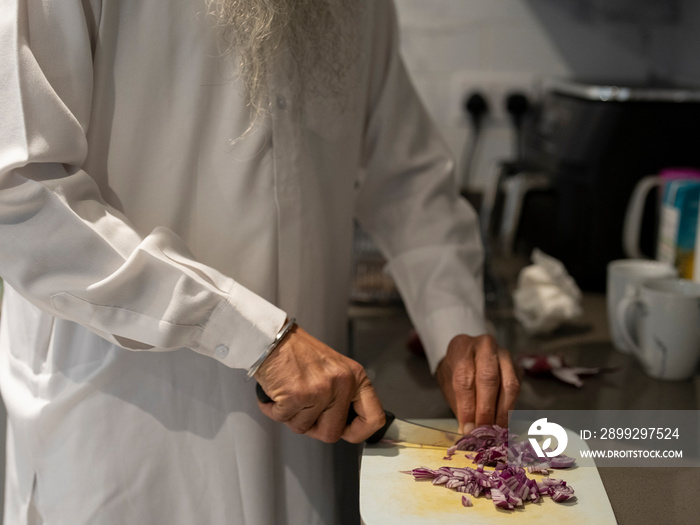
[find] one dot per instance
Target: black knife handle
(262, 395)
(374, 438)
(379, 434)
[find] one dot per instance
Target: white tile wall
(450, 45)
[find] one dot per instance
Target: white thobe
(151, 257)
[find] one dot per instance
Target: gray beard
(306, 46)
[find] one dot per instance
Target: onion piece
(561, 461)
(562, 494)
(421, 473)
(441, 480)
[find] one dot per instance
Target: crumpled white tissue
(546, 296)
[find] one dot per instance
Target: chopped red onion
(507, 485)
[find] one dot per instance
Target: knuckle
(465, 380)
(317, 394)
(489, 376)
(354, 367)
(313, 393)
(343, 379)
(512, 387)
(479, 341)
(348, 381)
(460, 343)
(487, 341)
(491, 340)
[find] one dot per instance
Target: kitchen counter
(638, 495)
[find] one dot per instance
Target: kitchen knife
(395, 429)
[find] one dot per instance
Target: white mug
(666, 316)
(625, 276)
(632, 227)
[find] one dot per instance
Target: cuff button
(221, 351)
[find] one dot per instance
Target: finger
(299, 417)
(488, 381)
(330, 424)
(304, 420)
(464, 391)
(370, 415)
(446, 383)
(510, 388)
(277, 411)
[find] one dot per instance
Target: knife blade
(402, 431)
(395, 429)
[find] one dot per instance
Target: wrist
(281, 335)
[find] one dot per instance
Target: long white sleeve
(61, 246)
(409, 204)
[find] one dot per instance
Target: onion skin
(555, 366)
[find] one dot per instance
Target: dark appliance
(596, 140)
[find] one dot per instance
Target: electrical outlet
(494, 87)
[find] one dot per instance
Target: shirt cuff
(240, 332)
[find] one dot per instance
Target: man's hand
(478, 380)
(312, 387)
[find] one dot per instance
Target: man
(178, 179)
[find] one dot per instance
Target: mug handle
(624, 307)
(633, 216)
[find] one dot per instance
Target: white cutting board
(388, 496)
